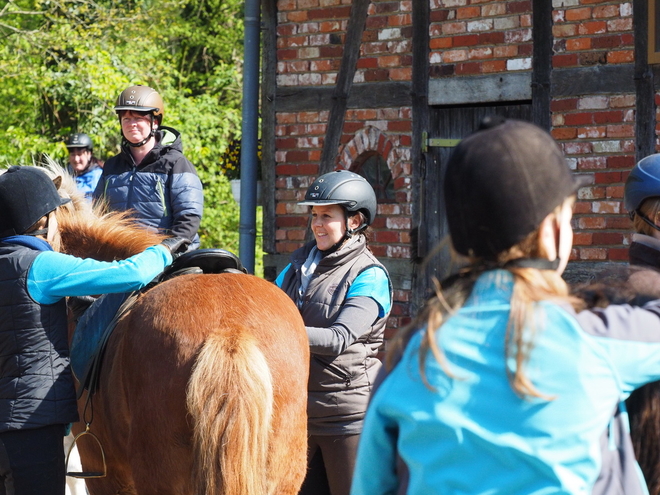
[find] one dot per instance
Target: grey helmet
(345, 188)
(79, 140)
(26, 195)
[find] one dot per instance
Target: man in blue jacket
(37, 395)
(150, 175)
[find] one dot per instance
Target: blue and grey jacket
(473, 434)
(163, 190)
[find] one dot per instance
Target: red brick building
(387, 87)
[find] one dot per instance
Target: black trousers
(330, 464)
(32, 461)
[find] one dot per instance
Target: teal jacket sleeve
(373, 283)
(53, 276)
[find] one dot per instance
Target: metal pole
(249, 140)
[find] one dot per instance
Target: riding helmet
(141, 99)
(345, 188)
(500, 183)
(26, 195)
(79, 140)
(642, 183)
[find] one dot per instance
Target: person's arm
(186, 199)
(630, 336)
(354, 319)
(53, 276)
(368, 298)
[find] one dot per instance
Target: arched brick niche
(372, 153)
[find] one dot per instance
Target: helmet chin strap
(38, 232)
(646, 219)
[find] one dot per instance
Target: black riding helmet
(501, 182)
(642, 183)
(141, 99)
(26, 195)
(348, 189)
(79, 140)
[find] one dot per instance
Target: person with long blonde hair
(500, 385)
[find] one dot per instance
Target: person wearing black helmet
(37, 395)
(344, 295)
(83, 165)
(150, 175)
(501, 385)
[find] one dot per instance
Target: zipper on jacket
(161, 194)
(336, 370)
(129, 196)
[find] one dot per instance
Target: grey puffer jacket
(339, 386)
(164, 189)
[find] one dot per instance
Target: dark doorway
(447, 126)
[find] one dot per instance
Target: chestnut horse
(204, 381)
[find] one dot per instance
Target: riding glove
(176, 245)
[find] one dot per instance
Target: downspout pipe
(249, 136)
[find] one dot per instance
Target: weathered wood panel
(365, 95)
(451, 123)
(420, 114)
(600, 79)
(470, 90)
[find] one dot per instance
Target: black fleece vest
(36, 384)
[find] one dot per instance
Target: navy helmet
(26, 195)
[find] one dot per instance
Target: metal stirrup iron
(86, 474)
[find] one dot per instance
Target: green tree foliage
(64, 62)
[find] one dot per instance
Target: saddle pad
(90, 329)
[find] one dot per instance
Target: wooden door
(447, 126)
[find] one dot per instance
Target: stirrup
(86, 474)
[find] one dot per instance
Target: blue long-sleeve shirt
(53, 276)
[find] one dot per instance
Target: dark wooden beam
(365, 95)
(268, 122)
(420, 115)
(599, 79)
(541, 62)
(645, 93)
(342, 89)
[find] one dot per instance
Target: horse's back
(161, 344)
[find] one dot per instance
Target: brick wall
(597, 132)
(467, 38)
(480, 37)
(311, 35)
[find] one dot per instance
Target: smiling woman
(329, 225)
(344, 295)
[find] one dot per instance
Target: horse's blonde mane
(89, 230)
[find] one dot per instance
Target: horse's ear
(58, 182)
